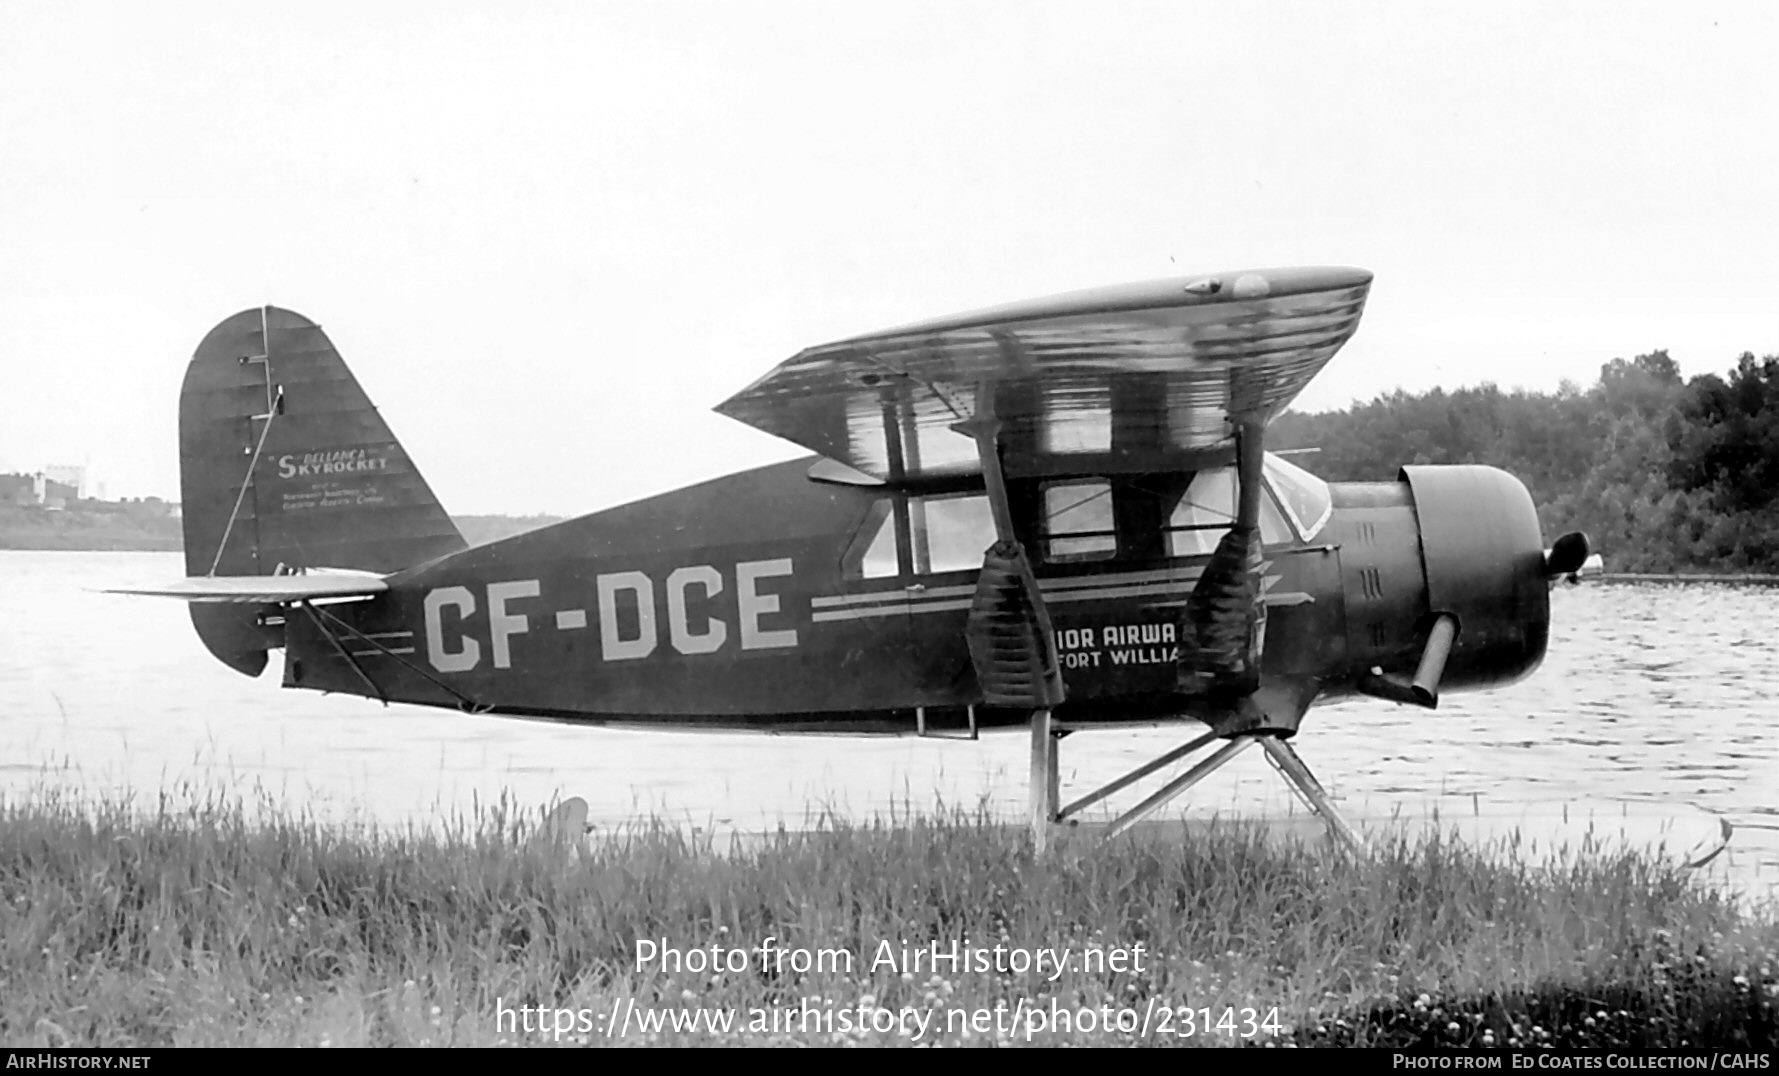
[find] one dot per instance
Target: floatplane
(1057, 515)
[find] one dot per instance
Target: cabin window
(1304, 496)
(950, 534)
(1078, 522)
(930, 534)
(1206, 511)
(880, 560)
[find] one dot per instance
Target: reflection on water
(1651, 694)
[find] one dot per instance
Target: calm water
(1652, 695)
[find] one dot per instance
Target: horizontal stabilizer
(261, 589)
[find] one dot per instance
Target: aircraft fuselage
(771, 600)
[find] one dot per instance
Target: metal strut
(274, 405)
(246, 480)
(1180, 784)
(464, 702)
(1134, 776)
(1280, 753)
(1012, 644)
(1298, 776)
(1045, 779)
(1223, 624)
(309, 608)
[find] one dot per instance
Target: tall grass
(199, 920)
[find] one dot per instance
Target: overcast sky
(549, 237)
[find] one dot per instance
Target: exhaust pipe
(1423, 690)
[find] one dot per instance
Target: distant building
(62, 487)
(38, 490)
(19, 490)
(57, 495)
(68, 475)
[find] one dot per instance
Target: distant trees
(1662, 474)
(1723, 441)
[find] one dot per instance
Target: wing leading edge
(1147, 376)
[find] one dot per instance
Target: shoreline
(108, 527)
(122, 531)
(1745, 578)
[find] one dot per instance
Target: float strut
(1044, 780)
(1285, 760)
(1180, 784)
(1134, 776)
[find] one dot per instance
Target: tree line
(1664, 474)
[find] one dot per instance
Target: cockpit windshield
(1304, 497)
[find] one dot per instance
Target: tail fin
(284, 463)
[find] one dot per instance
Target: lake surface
(1657, 696)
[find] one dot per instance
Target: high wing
(1148, 376)
(259, 589)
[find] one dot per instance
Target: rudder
(285, 464)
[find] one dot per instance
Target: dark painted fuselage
(771, 600)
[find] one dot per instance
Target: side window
(945, 534)
(1078, 522)
(880, 560)
(1206, 511)
(950, 533)
(1273, 529)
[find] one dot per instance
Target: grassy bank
(202, 922)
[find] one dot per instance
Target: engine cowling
(1444, 579)
(1483, 555)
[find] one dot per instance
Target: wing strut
(1223, 628)
(1223, 624)
(1218, 674)
(1012, 644)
